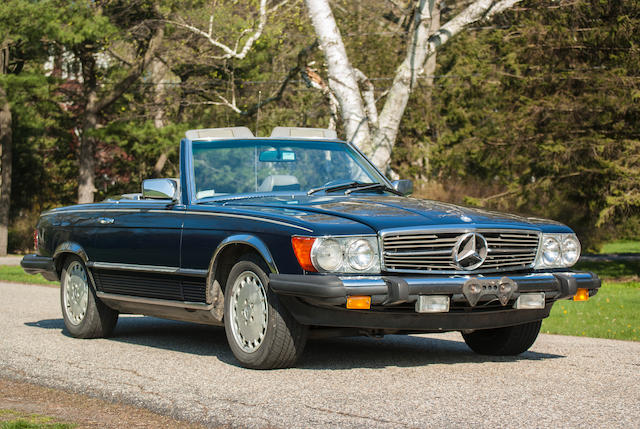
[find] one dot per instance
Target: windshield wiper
(353, 187)
(335, 188)
(370, 186)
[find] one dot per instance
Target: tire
(509, 341)
(85, 316)
(261, 332)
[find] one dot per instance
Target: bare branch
(248, 44)
(368, 96)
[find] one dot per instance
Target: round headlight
(570, 251)
(550, 251)
(328, 255)
(360, 255)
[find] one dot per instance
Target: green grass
(10, 419)
(12, 273)
(621, 246)
(612, 313)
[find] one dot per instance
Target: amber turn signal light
(581, 295)
(302, 249)
(358, 302)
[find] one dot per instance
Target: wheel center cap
(246, 313)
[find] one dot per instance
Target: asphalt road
(188, 372)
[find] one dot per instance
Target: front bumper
(319, 300)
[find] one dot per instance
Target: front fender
(215, 295)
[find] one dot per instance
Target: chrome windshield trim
(147, 268)
(155, 301)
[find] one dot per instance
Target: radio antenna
(258, 112)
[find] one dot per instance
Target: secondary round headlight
(570, 251)
(550, 251)
(328, 255)
(360, 255)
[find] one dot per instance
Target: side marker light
(581, 295)
(358, 302)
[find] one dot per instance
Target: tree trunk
(377, 140)
(86, 157)
(159, 71)
(5, 165)
(94, 106)
(342, 78)
(404, 81)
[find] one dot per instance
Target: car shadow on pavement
(399, 351)
(333, 353)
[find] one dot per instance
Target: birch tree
(372, 131)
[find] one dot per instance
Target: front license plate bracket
(503, 289)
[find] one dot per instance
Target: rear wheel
(261, 332)
(85, 316)
(509, 341)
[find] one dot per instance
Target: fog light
(432, 304)
(357, 302)
(529, 301)
(581, 295)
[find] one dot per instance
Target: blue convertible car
(298, 234)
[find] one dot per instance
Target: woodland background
(535, 110)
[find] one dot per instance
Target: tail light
(35, 239)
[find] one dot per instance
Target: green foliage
(544, 108)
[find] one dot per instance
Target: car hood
(387, 212)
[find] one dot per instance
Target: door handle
(105, 220)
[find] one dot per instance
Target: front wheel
(509, 341)
(85, 316)
(261, 332)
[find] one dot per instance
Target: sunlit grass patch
(621, 246)
(12, 273)
(10, 419)
(612, 313)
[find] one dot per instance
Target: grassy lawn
(612, 313)
(621, 246)
(10, 419)
(11, 273)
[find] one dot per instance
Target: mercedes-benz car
(285, 237)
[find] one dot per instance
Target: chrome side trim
(255, 218)
(182, 212)
(155, 301)
(147, 268)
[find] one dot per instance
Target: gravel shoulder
(187, 372)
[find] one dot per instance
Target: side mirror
(403, 186)
(164, 189)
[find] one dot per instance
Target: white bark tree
(375, 133)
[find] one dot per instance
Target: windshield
(240, 167)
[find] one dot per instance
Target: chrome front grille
(432, 251)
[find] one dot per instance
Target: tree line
(527, 106)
